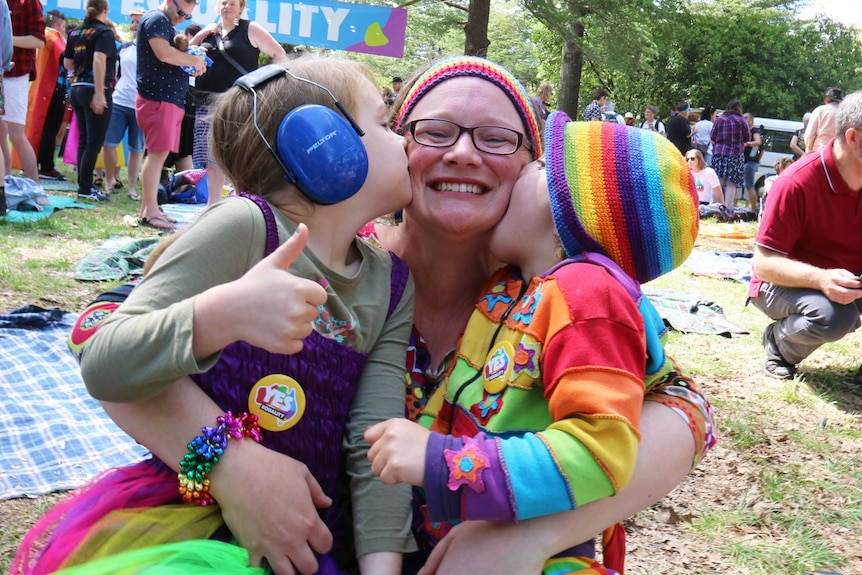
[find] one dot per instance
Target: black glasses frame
(411, 127)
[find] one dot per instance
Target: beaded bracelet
(205, 450)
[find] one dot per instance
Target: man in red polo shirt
(808, 252)
(28, 35)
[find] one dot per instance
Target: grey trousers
(805, 319)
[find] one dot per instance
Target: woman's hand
(270, 501)
(98, 104)
(485, 548)
(397, 451)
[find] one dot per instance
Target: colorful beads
(205, 450)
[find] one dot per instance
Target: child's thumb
(287, 252)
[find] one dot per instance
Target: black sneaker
(779, 369)
(52, 175)
(775, 365)
(94, 196)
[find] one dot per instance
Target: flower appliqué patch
(526, 358)
(466, 466)
(528, 306)
(490, 404)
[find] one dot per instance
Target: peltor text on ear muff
(319, 150)
(323, 153)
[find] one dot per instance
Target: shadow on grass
(835, 386)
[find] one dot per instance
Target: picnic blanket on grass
(116, 259)
(53, 435)
(688, 313)
(732, 265)
(54, 203)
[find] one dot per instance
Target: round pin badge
(87, 325)
(278, 401)
(498, 367)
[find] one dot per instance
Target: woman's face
(230, 10)
(459, 190)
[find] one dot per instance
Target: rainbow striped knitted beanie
(457, 66)
(622, 192)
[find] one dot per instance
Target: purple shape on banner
(394, 31)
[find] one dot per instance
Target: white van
(776, 136)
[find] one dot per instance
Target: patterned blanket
(53, 435)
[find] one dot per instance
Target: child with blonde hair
(274, 308)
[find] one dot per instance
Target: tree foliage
(649, 51)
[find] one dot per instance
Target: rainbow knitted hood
(622, 192)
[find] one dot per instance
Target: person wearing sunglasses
(705, 179)
(160, 104)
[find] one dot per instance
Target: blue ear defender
(318, 150)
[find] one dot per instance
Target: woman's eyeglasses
(443, 133)
(181, 13)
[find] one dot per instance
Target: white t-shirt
(657, 124)
(701, 132)
(127, 86)
(705, 182)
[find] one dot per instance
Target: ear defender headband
(471, 66)
(319, 151)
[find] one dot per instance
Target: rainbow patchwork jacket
(539, 411)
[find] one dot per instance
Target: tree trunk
(570, 74)
(476, 30)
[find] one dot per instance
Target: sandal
(166, 217)
(133, 196)
(118, 185)
(163, 224)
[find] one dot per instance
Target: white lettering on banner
(334, 19)
(285, 18)
(306, 12)
(261, 13)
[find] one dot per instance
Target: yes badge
(498, 367)
(278, 402)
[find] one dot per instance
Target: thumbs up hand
(269, 307)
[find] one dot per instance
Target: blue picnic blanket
(54, 203)
(53, 435)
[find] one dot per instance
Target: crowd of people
(142, 90)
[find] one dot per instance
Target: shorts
(15, 92)
(123, 118)
(160, 122)
(749, 172)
